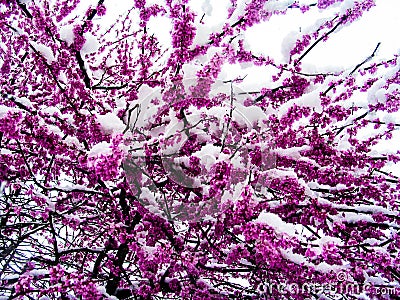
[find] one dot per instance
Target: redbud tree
(133, 168)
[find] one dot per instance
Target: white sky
(345, 48)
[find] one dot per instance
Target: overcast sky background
(346, 48)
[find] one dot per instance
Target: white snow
(110, 123)
(310, 99)
(208, 155)
(100, 148)
(278, 5)
(5, 109)
(45, 51)
(326, 268)
(24, 101)
(67, 34)
(10, 277)
(252, 114)
(352, 217)
(91, 44)
(207, 7)
(102, 290)
(276, 222)
(281, 173)
(161, 27)
(328, 239)
(38, 272)
(293, 152)
(66, 186)
(299, 259)
(51, 110)
(293, 257)
(215, 15)
(72, 141)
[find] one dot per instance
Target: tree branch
(366, 60)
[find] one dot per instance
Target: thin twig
(367, 59)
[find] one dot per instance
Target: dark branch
(81, 64)
(24, 9)
(320, 39)
(367, 59)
